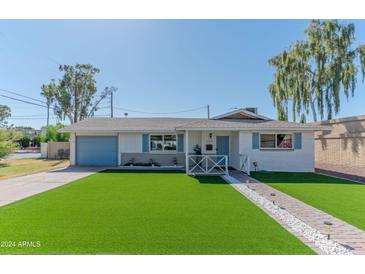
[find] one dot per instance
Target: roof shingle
(173, 124)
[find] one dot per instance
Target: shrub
(52, 134)
(8, 141)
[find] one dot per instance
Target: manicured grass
(19, 167)
(144, 213)
(340, 198)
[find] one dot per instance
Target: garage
(96, 150)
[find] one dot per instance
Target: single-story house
(241, 139)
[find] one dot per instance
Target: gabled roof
(241, 113)
(247, 124)
(173, 124)
(128, 124)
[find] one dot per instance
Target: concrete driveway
(18, 188)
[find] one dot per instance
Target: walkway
(18, 188)
(341, 232)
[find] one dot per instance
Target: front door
(222, 147)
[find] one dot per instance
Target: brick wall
(344, 144)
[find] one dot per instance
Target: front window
(163, 143)
(284, 141)
(276, 141)
(267, 140)
(156, 142)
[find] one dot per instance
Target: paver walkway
(341, 232)
(18, 188)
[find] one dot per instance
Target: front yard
(115, 212)
(19, 167)
(341, 198)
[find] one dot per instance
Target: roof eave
(254, 128)
(114, 130)
(250, 114)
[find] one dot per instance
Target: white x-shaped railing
(245, 163)
(207, 164)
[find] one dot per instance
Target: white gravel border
(309, 233)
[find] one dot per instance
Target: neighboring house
(341, 149)
(28, 131)
(242, 139)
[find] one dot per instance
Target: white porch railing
(245, 163)
(207, 164)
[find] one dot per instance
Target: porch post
(226, 164)
(187, 151)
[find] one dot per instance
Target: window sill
(162, 152)
(276, 149)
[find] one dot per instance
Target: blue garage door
(96, 150)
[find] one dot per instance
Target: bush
(8, 141)
(52, 134)
(24, 141)
(36, 141)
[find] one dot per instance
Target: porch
(213, 153)
(197, 152)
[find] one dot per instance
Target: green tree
(36, 140)
(24, 141)
(5, 113)
(312, 74)
(52, 134)
(8, 141)
(73, 94)
(49, 92)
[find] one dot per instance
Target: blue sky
(158, 66)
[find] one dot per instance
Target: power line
(20, 100)
(21, 95)
(30, 118)
(41, 115)
(172, 112)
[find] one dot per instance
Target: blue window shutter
(145, 144)
(255, 140)
(297, 140)
(180, 143)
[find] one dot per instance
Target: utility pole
(48, 113)
(111, 104)
(107, 91)
(208, 111)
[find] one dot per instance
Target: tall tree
(5, 113)
(74, 92)
(311, 75)
(49, 92)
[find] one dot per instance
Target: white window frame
(163, 139)
(276, 144)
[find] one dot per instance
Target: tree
(49, 92)
(8, 141)
(24, 141)
(36, 140)
(5, 113)
(52, 134)
(73, 94)
(312, 74)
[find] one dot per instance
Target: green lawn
(144, 213)
(340, 198)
